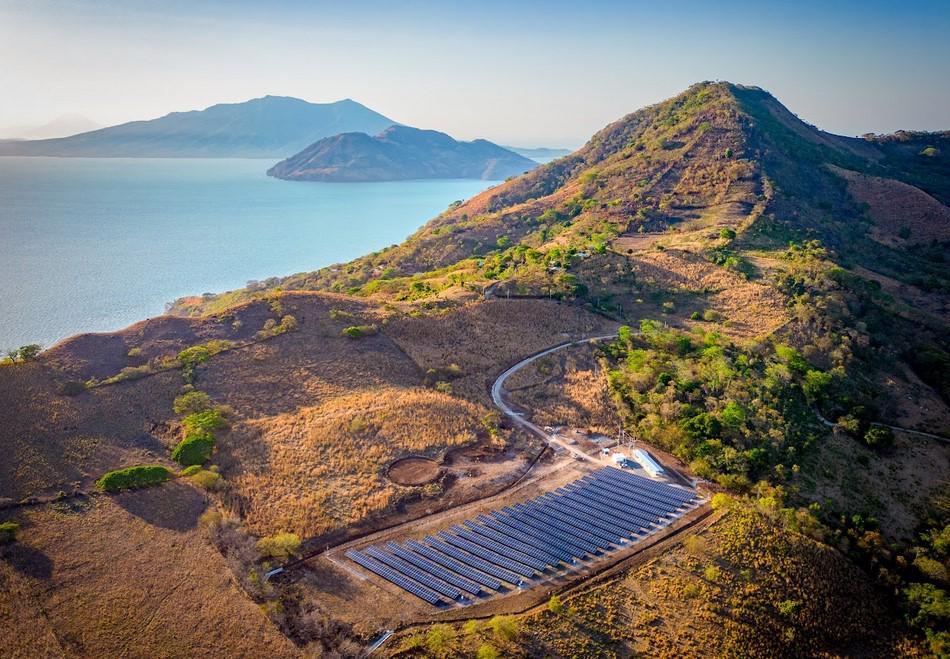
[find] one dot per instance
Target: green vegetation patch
(8, 532)
(134, 477)
(359, 331)
(194, 449)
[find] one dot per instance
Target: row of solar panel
(588, 517)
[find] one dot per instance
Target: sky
(523, 73)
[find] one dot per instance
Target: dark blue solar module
(668, 490)
(393, 576)
(514, 543)
(454, 565)
(590, 518)
(414, 573)
(595, 514)
(658, 489)
(627, 492)
(508, 526)
(633, 500)
(485, 566)
(502, 550)
(626, 514)
(492, 556)
(532, 516)
(557, 536)
(553, 508)
(578, 501)
(433, 569)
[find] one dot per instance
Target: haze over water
(94, 244)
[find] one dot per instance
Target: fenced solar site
(527, 543)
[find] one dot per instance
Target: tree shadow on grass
(174, 506)
(28, 560)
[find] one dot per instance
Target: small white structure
(650, 465)
(619, 459)
(605, 451)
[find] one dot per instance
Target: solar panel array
(522, 544)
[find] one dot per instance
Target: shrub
(8, 532)
(555, 605)
(504, 627)
(206, 421)
(711, 316)
(194, 449)
(280, 546)
(879, 436)
(711, 573)
(487, 651)
(206, 479)
(690, 591)
(727, 233)
(190, 470)
(133, 477)
(695, 316)
(134, 353)
(192, 402)
(359, 331)
(439, 639)
(472, 627)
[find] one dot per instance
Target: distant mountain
(67, 124)
(268, 127)
(400, 153)
(541, 152)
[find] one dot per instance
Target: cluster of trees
(25, 353)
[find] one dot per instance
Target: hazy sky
(525, 73)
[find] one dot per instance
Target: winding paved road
(498, 399)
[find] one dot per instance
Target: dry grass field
(127, 576)
(566, 388)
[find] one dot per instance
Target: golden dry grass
(566, 388)
(128, 576)
(322, 468)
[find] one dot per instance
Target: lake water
(94, 244)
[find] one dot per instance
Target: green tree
(280, 545)
(504, 627)
(439, 639)
(878, 436)
(555, 605)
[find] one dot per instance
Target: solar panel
(633, 500)
(452, 564)
(553, 508)
(633, 526)
(628, 490)
(586, 497)
(597, 519)
(475, 561)
(514, 543)
(665, 488)
(590, 518)
(508, 526)
(547, 524)
(414, 573)
(501, 549)
(581, 538)
(487, 554)
(660, 489)
(393, 576)
(534, 525)
(433, 569)
(627, 509)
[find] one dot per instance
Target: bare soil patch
(414, 471)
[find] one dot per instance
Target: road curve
(497, 390)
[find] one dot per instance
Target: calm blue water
(93, 244)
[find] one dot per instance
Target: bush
(194, 449)
(192, 402)
(727, 233)
(205, 478)
(359, 331)
(879, 436)
(711, 316)
(487, 651)
(439, 639)
(504, 627)
(555, 605)
(280, 546)
(206, 421)
(695, 316)
(8, 532)
(134, 477)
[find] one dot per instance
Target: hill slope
(268, 127)
(400, 153)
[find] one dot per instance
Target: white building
(650, 465)
(619, 459)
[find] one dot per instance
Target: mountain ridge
(399, 153)
(264, 127)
